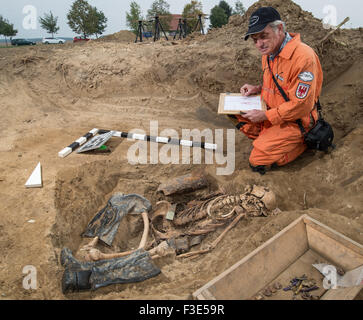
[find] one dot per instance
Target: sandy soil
(52, 95)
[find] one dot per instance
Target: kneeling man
(292, 81)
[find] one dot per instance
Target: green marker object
(102, 147)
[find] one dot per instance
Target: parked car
(53, 40)
(79, 39)
(22, 42)
(147, 34)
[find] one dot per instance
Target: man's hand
(249, 89)
(255, 115)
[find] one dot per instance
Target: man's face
(268, 41)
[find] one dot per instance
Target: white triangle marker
(35, 180)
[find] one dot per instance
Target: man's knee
(260, 158)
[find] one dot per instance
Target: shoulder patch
(302, 90)
(306, 76)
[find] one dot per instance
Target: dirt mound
(336, 53)
(121, 36)
(296, 19)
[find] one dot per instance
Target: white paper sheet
(236, 103)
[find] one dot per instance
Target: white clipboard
(235, 103)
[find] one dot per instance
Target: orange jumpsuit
(298, 71)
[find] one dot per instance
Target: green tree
(218, 17)
(77, 17)
(191, 11)
(226, 7)
(96, 22)
(239, 8)
(160, 8)
(133, 18)
(85, 19)
(49, 23)
(7, 29)
(2, 24)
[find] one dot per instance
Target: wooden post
(332, 31)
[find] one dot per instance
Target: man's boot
(79, 276)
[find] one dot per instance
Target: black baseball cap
(260, 19)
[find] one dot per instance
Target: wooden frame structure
(296, 246)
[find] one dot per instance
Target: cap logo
(253, 20)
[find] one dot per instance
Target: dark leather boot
(79, 276)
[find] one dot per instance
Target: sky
(24, 14)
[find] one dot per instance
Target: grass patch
(3, 46)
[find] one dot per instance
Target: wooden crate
(288, 254)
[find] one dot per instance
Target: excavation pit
(81, 192)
